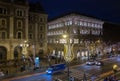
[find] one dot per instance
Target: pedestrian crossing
(80, 75)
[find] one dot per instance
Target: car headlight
(89, 63)
(99, 63)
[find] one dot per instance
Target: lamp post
(115, 67)
(24, 48)
(68, 53)
(84, 76)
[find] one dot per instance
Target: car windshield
(50, 69)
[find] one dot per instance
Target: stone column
(26, 25)
(10, 54)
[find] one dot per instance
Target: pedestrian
(7, 72)
(114, 78)
(71, 78)
(93, 78)
(1, 73)
(110, 78)
(106, 79)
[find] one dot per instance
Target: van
(56, 68)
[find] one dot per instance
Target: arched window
(30, 36)
(3, 35)
(3, 23)
(19, 35)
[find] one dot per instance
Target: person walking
(71, 78)
(106, 79)
(93, 77)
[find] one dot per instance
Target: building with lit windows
(22, 29)
(85, 33)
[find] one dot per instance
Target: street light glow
(68, 51)
(64, 36)
(24, 48)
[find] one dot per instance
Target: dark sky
(108, 10)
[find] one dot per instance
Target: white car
(90, 62)
(98, 63)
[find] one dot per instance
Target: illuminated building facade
(85, 33)
(19, 22)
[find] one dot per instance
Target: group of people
(111, 78)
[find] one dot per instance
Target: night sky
(108, 10)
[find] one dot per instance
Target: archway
(17, 52)
(3, 53)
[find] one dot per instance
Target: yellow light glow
(115, 66)
(64, 36)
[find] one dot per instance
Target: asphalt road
(77, 71)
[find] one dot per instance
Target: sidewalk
(42, 69)
(27, 73)
(107, 74)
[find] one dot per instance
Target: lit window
(66, 24)
(95, 25)
(76, 22)
(85, 23)
(92, 24)
(70, 22)
(88, 24)
(74, 31)
(76, 41)
(81, 23)
(63, 41)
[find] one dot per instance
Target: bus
(56, 68)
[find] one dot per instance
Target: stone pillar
(36, 31)
(45, 40)
(26, 25)
(10, 54)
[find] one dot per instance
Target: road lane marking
(19, 77)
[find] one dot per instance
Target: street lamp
(84, 77)
(115, 67)
(68, 53)
(24, 48)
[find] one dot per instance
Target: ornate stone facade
(19, 23)
(84, 32)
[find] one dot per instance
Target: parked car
(90, 62)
